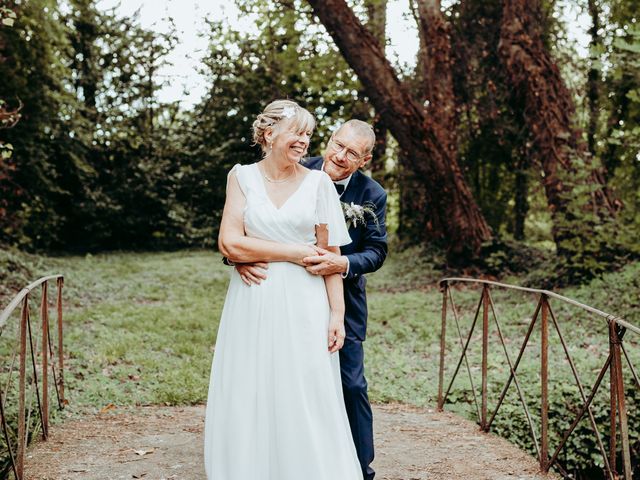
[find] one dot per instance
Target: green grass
(140, 329)
(143, 326)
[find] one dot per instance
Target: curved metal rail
(28, 354)
(617, 327)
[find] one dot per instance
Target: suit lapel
(352, 189)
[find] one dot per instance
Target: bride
(275, 409)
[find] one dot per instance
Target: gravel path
(155, 443)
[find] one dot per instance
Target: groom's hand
(252, 273)
(325, 263)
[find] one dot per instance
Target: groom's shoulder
(372, 187)
(312, 163)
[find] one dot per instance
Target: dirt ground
(165, 443)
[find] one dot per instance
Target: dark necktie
(339, 188)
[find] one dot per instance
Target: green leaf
(634, 95)
(624, 45)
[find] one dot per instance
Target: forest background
(505, 154)
(500, 140)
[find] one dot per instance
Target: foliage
(507, 257)
(614, 114)
(129, 141)
(95, 152)
(620, 132)
(8, 119)
(98, 154)
(17, 270)
(491, 133)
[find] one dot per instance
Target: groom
(348, 150)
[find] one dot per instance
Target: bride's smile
(291, 145)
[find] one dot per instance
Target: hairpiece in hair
(288, 111)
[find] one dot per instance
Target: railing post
(60, 284)
(485, 352)
(544, 380)
(613, 396)
(443, 332)
(22, 386)
(44, 315)
(616, 365)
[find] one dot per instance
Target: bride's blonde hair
(280, 115)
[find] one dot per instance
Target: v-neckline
(266, 193)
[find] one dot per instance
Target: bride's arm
(333, 284)
(238, 247)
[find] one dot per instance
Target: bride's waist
(285, 266)
(289, 269)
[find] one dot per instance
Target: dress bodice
(314, 202)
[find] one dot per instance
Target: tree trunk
(412, 190)
(548, 111)
(593, 78)
(611, 156)
(521, 206)
(452, 217)
(437, 74)
(434, 81)
(83, 41)
(377, 14)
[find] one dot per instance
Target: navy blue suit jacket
(366, 252)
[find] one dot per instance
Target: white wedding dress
(275, 409)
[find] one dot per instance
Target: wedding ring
(335, 339)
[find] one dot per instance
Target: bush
(17, 270)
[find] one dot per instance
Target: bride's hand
(336, 332)
(252, 273)
(301, 252)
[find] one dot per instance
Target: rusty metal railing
(617, 327)
(31, 379)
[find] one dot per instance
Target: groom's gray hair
(362, 129)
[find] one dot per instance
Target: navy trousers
(356, 400)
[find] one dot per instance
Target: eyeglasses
(338, 147)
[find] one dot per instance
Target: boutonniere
(355, 215)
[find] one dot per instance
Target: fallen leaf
(108, 407)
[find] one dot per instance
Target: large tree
(93, 150)
(377, 25)
(491, 133)
(128, 137)
(35, 71)
(555, 144)
(9, 117)
(448, 213)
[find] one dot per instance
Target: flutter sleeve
(329, 212)
(241, 174)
